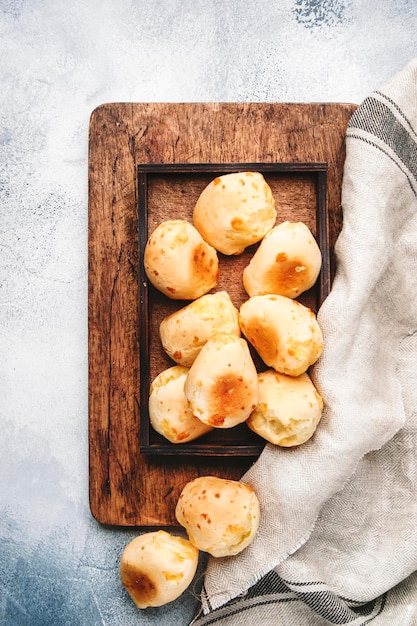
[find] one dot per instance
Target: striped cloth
(338, 537)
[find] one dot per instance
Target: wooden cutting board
(127, 488)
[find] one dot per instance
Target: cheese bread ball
(235, 211)
(157, 567)
(289, 409)
(169, 412)
(222, 385)
(221, 516)
(178, 262)
(284, 332)
(287, 262)
(184, 332)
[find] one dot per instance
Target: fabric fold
(339, 513)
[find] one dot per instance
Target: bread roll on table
(157, 567)
(178, 262)
(284, 332)
(235, 211)
(287, 262)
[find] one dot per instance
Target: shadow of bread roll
(157, 567)
(178, 262)
(221, 516)
(235, 211)
(169, 412)
(284, 332)
(289, 409)
(287, 262)
(184, 332)
(222, 384)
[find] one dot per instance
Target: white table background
(59, 60)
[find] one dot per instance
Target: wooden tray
(170, 191)
(128, 488)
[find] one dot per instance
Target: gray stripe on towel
(377, 119)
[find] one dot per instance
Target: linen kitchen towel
(337, 542)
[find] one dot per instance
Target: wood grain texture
(126, 488)
(170, 191)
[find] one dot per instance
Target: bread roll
(287, 262)
(284, 332)
(222, 384)
(184, 332)
(220, 516)
(178, 262)
(235, 211)
(289, 409)
(157, 567)
(169, 413)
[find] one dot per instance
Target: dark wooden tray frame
(239, 441)
(127, 488)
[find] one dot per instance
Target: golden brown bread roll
(157, 567)
(222, 385)
(235, 211)
(284, 332)
(289, 408)
(220, 516)
(184, 332)
(178, 262)
(169, 413)
(287, 262)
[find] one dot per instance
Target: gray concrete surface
(60, 59)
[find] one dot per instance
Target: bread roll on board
(284, 332)
(235, 211)
(289, 409)
(221, 516)
(184, 332)
(169, 412)
(222, 385)
(287, 262)
(178, 262)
